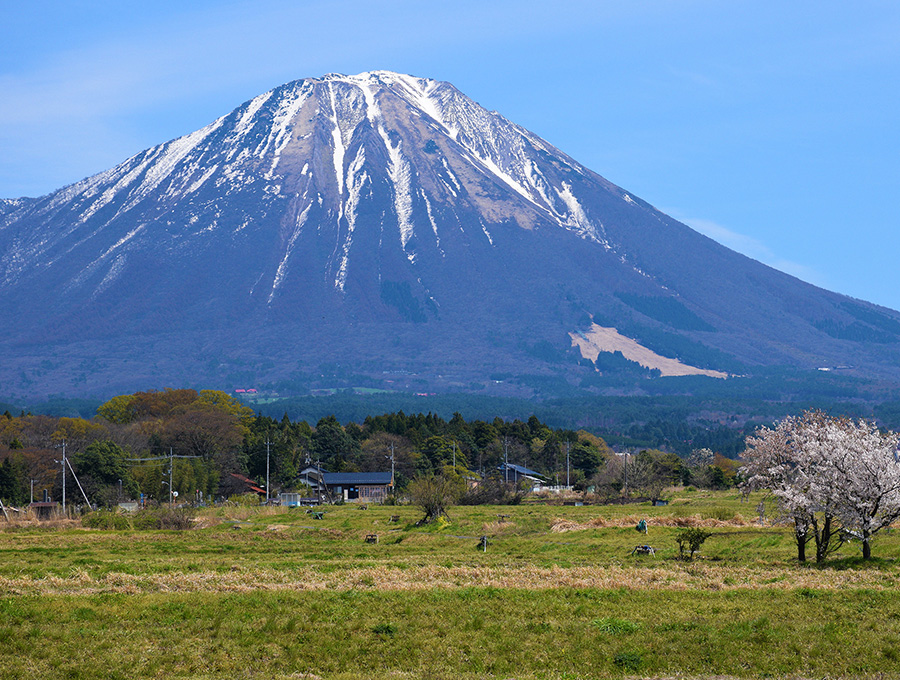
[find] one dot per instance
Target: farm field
(274, 593)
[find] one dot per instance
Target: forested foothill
(677, 414)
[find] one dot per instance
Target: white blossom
(824, 471)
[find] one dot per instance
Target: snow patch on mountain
(281, 271)
(115, 269)
(356, 178)
(338, 140)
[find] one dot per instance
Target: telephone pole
(63, 461)
(506, 460)
(268, 444)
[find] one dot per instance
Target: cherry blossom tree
(865, 476)
(791, 463)
(829, 476)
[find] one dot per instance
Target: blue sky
(773, 127)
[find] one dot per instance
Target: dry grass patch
(561, 524)
(496, 528)
(659, 576)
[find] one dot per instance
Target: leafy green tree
(14, 480)
(691, 539)
(120, 410)
(331, 444)
(440, 451)
(100, 467)
(585, 458)
(434, 494)
(225, 402)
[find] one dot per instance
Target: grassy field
(556, 594)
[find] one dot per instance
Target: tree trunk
(867, 548)
(823, 539)
(801, 538)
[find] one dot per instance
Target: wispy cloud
(751, 247)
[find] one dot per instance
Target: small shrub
(691, 538)
(385, 629)
(163, 518)
(105, 519)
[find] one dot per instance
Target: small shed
(290, 499)
(46, 509)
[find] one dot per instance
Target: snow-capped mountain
(389, 225)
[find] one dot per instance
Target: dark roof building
(515, 473)
(361, 486)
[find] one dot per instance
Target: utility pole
(268, 444)
(567, 464)
(80, 488)
(506, 459)
(64, 477)
(171, 467)
(392, 462)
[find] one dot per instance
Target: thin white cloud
(751, 247)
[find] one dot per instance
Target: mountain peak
(348, 213)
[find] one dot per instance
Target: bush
(163, 518)
(105, 519)
(693, 538)
(492, 491)
(245, 500)
(385, 629)
(628, 661)
(614, 626)
(434, 494)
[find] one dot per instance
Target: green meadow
(555, 593)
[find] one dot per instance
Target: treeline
(419, 444)
(206, 444)
(125, 450)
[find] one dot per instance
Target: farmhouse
(518, 473)
(371, 487)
